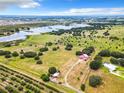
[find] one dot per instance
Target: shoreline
(22, 35)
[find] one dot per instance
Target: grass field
(51, 58)
(111, 83)
(62, 59)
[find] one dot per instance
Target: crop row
(14, 82)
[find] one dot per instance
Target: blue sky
(61, 7)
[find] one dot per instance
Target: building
(84, 57)
(111, 67)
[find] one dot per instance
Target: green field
(62, 58)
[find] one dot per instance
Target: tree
(15, 54)
(83, 87)
(78, 53)
(117, 54)
(98, 58)
(21, 52)
(40, 54)
(49, 44)
(17, 29)
(88, 50)
(106, 33)
(69, 47)
(39, 62)
(3, 91)
(20, 88)
(121, 62)
(114, 61)
(37, 58)
(30, 54)
(8, 44)
(52, 70)
(104, 53)
(7, 52)
(44, 49)
(8, 56)
(95, 81)
(22, 56)
(54, 49)
(95, 65)
(45, 78)
(113, 38)
(2, 53)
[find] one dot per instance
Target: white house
(111, 67)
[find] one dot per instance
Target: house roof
(111, 67)
(56, 74)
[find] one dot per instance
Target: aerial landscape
(61, 46)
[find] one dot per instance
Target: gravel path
(67, 74)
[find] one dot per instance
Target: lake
(22, 35)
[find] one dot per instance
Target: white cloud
(20, 3)
(89, 11)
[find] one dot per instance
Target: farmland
(63, 59)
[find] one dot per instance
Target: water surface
(22, 35)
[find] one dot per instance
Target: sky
(61, 7)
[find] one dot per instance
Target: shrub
(54, 49)
(45, 78)
(121, 62)
(3, 79)
(78, 53)
(44, 49)
(49, 43)
(11, 89)
(8, 56)
(39, 62)
(7, 52)
(28, 91)
(3, 91)
(21, 52)
(15, 54)
(113, 38)
(37, 58)
(8, 44)
(52, 70)
(2, 53)
(104, 53)
(20, 88)
(23, 83)
(117, 54)
(98, 58)
(40, 54)
(69, 47)
(22, 56)
(30, 54)
(106, 33)
(94, 81)
(83, 87)
(88, 50)
(95, 65)
(114, 61)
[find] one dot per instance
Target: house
(111, 67)
(54, 77)
(84, 57)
